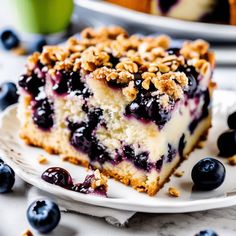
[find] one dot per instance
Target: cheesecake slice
(130, 106)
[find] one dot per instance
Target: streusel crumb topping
(110, 54)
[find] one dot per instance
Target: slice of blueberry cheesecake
(130, 106)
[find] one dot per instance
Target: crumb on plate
(27, 233)
(179, 173)
(232, 160)
(42, 160)
(173, 192)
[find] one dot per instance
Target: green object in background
(42, 16)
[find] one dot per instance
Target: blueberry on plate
(38, 45)
(9, 39)
(208, 174)
(232, 120)
(207, 232)
(7, 178)
(8, 95)
(227, 143)
(43, 215)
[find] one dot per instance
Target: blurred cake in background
(217, 11)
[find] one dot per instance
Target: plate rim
(115, 203)
(207, 30)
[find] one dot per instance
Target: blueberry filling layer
(62, 178)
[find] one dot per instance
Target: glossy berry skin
(208, 174)
(1, 161)
(43, 215)
(227, 143)
(232, 120)
(39, 44)
(7, 178)
(207, 233)
(58, 176)
(8, 95)
(9, 39)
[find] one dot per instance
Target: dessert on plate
(129, 106)
(218, 11)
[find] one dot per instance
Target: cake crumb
(173, 192)
(27, 233)
(179, 173)
(42, 160)
(19, 51)
(232, 160)
(201, 144)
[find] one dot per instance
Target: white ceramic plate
(24, 161)
(103, 12)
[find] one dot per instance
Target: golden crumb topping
(173, 192)
(110, 54)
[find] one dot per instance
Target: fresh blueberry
(1, 161)
(58, 176)
(208, 174)
(7, 178)
(9, 39)
(8, 95)
(165, 5)
(43, 215)
(232, 120)
(38, 46)
(43, 114)
(207, 232)
(227, 143)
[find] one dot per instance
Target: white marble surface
(13, 205)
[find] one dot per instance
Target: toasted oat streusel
(111, 55)
(173, 192)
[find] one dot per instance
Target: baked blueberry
(31, 84)
(9, 39)
(207, 232)
(8, 95)
(232, 120)
(43, 114)
(140, 160)
(7, 178)
(227, 143)
(58, 176)
(43, 215)
(192, 85)
(208, 174)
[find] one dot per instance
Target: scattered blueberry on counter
(38, 45)
(9, 39)
(8, 95)
(232, 120)
(207, 233)
(227, 143)
(208, 174)
(43, 215)
(7, 177)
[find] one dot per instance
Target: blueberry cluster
(227, 140)
(83, 139)
(140, 160)
(146, 107)
(67, 82)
